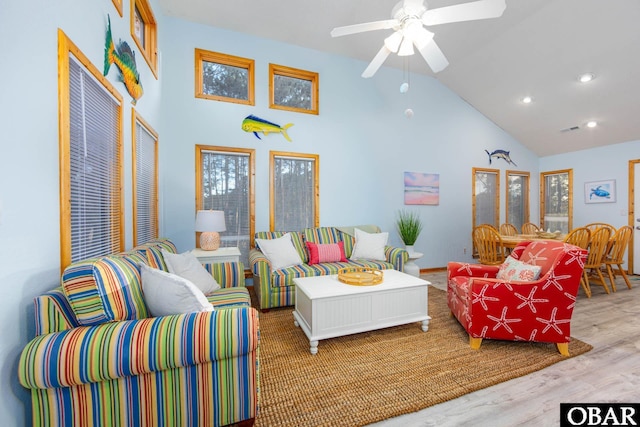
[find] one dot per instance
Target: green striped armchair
(275, 288)
(99, 359)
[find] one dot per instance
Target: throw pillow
(166, 294)
(329, 252)
(369, 245)
(187, 266)
(280, 252)
(515, 270)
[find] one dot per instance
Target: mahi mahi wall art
(421, 188)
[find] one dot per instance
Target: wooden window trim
(136, 118)
(252, 175)
(202, 55)
(543, 175)
(118, 6)
(295, 73)
(149, 49)
(526, 196)
(272, 190)
(473, 195)
(66, 47)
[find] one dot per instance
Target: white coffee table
(327, 308)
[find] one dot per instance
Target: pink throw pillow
(319, 252)
(518, 271)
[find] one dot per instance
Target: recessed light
(586, 77)
(527, 100)
(592, 124)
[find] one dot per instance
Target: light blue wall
(598, 164)
(364, 142)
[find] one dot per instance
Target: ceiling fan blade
(367, 26)
(433, 55)
(481, 9)
(377, 61)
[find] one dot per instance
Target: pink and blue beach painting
(421, 188)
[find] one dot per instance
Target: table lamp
(210, 223)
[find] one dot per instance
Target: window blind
(95, 165)
(146, 185)
(294, 193)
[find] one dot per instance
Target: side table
(411, 267)
(219, 255)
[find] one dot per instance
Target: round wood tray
(360, 276)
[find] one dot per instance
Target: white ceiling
(537, 48)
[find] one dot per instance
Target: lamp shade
(209, 223)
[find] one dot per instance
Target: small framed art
(600, 191)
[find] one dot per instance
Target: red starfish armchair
(528, 298)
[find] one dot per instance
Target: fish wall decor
(500, 154)
(125, 60)
(255, 124)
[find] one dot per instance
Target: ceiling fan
(409, 17)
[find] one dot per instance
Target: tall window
(224, 181)
(517, 202)
(90, 111)
(295, 192)
(486, 197)
(145, 181)
(556, 200)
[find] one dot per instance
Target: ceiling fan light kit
(409, 17)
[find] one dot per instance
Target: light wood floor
(608, 373)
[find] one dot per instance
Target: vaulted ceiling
(538, 48)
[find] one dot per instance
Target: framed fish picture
(600, 191)
(421, 188)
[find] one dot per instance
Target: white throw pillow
(369, 245)
(187, 266)
(280, 252)
(166, 294)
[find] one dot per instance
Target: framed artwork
(600, 191)
(293, 89)
(421, 188)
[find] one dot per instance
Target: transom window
(227, 78)
(293, 90)
(145, 32)
(295, 192)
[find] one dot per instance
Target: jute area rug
(364, 378)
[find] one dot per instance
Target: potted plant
(409, 226)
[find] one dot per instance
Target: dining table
(511, 242)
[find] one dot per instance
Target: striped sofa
(99, 360)
(277, 289)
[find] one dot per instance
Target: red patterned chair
(532, 300)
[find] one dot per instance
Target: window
(90, 158)
(224, 181)
(556, 200)
(517, 202)
(227, 78)
(145, 32)
(294, 193)
(145, 181)
(486, 197)
(292, 89)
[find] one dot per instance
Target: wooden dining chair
(530, 228)
(597, 249)
(595, 225)
(579, 237)
(488, 243)
(618, 245)
(508, 229)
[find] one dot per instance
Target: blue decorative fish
(255, 124)
(500, 154)
(599, 192)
